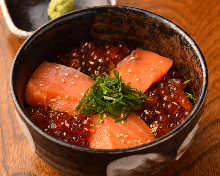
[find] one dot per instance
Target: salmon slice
(57, 86)
(143, 68)
(111, 135)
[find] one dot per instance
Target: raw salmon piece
(143, 68)
(112, 135)
(57, 86)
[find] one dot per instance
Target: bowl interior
(135, 27)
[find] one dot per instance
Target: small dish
(24, 17)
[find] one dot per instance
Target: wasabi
(57, 8)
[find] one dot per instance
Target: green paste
(60, 7)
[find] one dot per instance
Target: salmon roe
(73, 130)
(163, 110)
(166, 105)
(94, 58)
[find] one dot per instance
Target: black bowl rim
(153, 143)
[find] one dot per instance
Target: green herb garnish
(187, 81)
(191, 97)
(111, 96)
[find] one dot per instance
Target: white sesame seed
(137, 79)
(154, 129)
(139, 141)
(86, 129)
(95, 57)
(62, 123)
(67, 96)
(108, 52)
(82, 94)
(72, 83)
(122, 141)
(63, 80)
(66, 74)
(57, 67)
(157, 112)
(117, 135)
(64, 133)
(100, 60)
(129, 142)
(76, 76)
(161, 61)
(86, 44)
(74, 54)
(121, 134)
(92, 63)
(96, 72)
(67, 125)
(146, 112)
(41, 85)
(122, 121)
(174, 103)
(129, 70)
(125, 136)
(104, 115)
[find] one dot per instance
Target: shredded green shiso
(111, 96)
(189, 95)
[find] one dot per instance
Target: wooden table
(201, 19)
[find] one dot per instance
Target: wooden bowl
(133, 26)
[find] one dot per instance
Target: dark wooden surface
(201, 19)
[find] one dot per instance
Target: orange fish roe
(94, 58)
(166, 105)
(61, 125)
